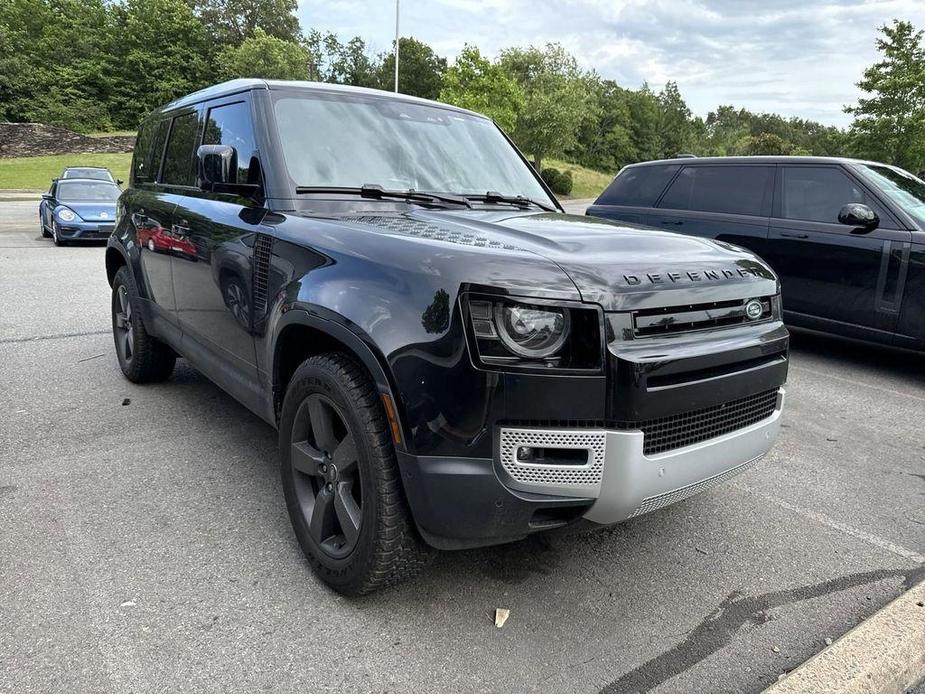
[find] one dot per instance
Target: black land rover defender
(450, 360)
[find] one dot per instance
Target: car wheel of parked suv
(143, 359)
(341, 479)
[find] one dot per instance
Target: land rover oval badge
(753, 309)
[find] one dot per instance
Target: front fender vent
(263, 250)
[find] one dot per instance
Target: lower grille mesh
(687, 428)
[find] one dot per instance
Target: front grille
(679, 430)
(679, 319)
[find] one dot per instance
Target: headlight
(531, 332)
(510, 333)
(66, 215)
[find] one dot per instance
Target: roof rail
(685, 155)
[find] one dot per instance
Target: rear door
(149, 205)
(832, 273)
(633, 192)
(730, 202)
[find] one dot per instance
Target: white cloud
(793, 57)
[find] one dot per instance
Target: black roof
(238, 86)
(763, 159)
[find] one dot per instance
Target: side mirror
(858, 215)
(46, 196)
(218, 165)
(119, 181)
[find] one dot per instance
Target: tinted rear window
(638, 186)
(180, 159)
(725, 189)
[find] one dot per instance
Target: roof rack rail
(685, 155)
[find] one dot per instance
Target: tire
(362, 540)
(43, 229)
(142, 358)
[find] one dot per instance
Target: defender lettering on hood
(693, 276)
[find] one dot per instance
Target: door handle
(677, 223)
(794, 235)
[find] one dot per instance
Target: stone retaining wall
(35, 139)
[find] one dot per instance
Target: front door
(831, 272)
(214, 237)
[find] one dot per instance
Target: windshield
(100, 174)
(901, 187)
(87, 191)
(350, 140)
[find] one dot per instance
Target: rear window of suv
(638, 186)
(723, 189)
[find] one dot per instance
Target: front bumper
(85, 231)
(465, 502)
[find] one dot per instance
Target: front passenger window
(817, 193)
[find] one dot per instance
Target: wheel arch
(301, 335)
(115, 259)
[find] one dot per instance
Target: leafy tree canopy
(474, 82)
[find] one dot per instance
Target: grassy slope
(586, 183)
(37, 172)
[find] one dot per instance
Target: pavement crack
(736, 612)
(58, 336)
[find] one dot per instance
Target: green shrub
(565, 184)
(551, 176)
(559, 181)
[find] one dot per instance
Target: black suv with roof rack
(450, 360)
(846, 237)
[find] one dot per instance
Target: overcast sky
(793, 57)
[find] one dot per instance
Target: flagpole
(396, 45)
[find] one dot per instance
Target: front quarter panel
(399, 296)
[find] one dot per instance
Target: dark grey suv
(846, 237)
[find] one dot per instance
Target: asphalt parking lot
(145, 545)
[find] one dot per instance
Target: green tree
(555, 99)
(473, 82)
(52, 56)
(233, 21)
(763, 144)
(162, 52)
(674, 122)
(264, 56)
(889, 125)
(420, 69)
(330, 60)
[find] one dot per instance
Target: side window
(231, 125)
(817, 193)
(180, 158)
(149, 146)
(638, 186)
(724, 189)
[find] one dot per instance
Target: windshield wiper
(492, 196)
(377, 192)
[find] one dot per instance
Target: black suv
(846, 237)
(450, 360)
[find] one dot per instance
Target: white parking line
(823, 519)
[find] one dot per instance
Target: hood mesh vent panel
(427, 230)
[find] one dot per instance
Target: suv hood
(618, 266)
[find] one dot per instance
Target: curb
(884, 653)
